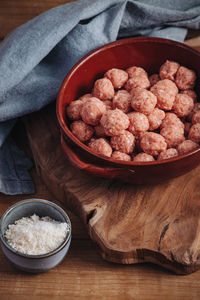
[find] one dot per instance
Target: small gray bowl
(26, 208)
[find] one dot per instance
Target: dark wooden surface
(83, 274)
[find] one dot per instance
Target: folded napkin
(36, 57)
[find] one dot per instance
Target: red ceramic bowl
(148, 53)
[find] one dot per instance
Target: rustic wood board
(129, 223)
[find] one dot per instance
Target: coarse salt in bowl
(35, 235)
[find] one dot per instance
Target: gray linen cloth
(35, 58)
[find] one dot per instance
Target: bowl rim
(47, 203)
(94, 52)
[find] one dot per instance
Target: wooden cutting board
(129, 223)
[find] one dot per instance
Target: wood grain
(14, 13)
(83, 274)
(194, 42)
(129, 223)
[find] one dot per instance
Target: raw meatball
(101, 146)
(183, 105)
(165, 91)
(187, 146)
(196, 117)
(171, 120)
(74, 110)
(152, 143)
(143, 101)
(124, 142)
(166, 154)
(143, 157)
(81, 130)
(92, 111)
(194, 133)
(114, 122)
(99, 131)
(108, 104)
(153, 79)
(136, 71)
(103, 89)
(173, 135)
(117, 77)
(122, 100)
(121, 156)
(168, 70)
(155, 118)
(85, 97)
(185, 78)
(187, 128)
(138, 78)
(138, 123)
(190, 93)
(195, 108)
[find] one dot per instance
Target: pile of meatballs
(131, 116)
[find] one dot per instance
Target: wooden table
(83, 274)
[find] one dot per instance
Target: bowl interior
(26, 208)
(148, 53)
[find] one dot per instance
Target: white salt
(34, 235)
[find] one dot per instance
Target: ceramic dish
(150, 54)
(26, 208)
